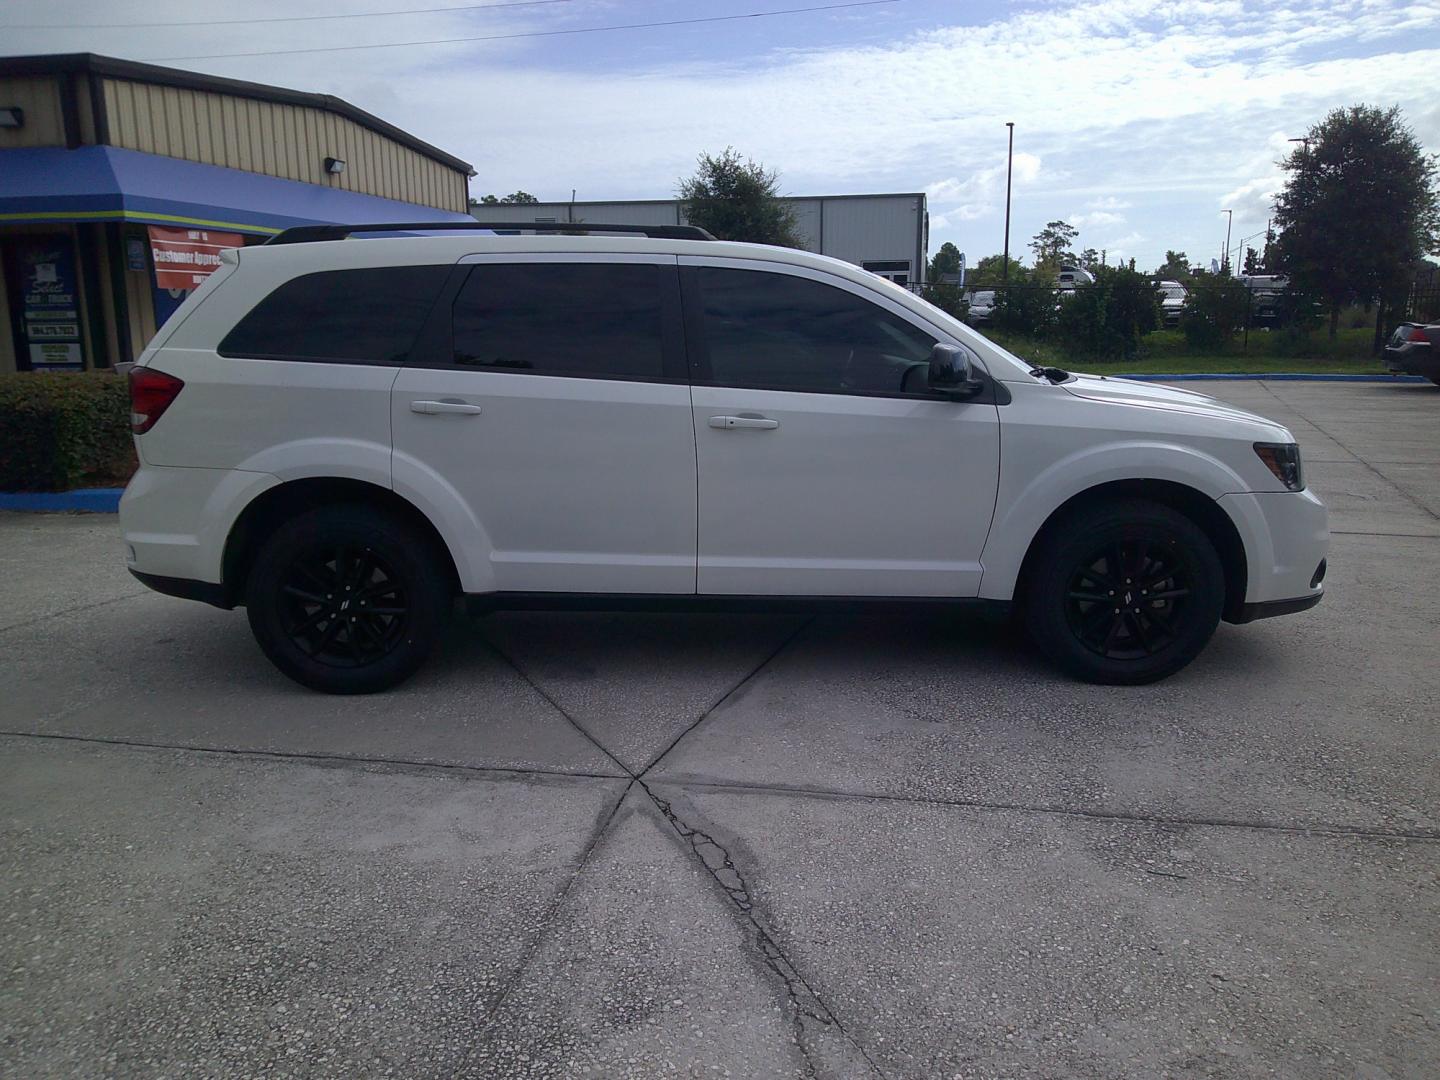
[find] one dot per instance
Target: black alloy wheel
(343, 606)
(349, 598)
(1126, 601)
(1123, 592)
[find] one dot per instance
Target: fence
(1114, 322)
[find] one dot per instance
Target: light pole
(1009, 163)
(1225, 256)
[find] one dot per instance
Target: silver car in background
(1172, 301)
(982, 307)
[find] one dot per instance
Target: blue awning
(106, 183)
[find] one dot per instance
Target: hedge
(60, 431)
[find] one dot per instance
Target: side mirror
(952, 374)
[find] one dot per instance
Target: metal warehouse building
(120, 182)
(887, 234)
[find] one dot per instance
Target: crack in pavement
(72, 610)
(408, 765)
(541, 930)
(807, 1007)
(798, 791)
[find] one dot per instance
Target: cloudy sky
(1136, 121)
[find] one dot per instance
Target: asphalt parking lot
(723, 845)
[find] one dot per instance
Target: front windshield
(1175, 292)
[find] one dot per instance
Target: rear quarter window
(366, 316)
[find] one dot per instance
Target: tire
(342, 555)
(1072, 585)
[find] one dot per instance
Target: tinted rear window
(576, 319)
(369, 316)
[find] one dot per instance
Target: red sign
(186, 257)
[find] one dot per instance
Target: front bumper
(1286, 535)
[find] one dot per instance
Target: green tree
(737, 200)
(1253, 263)
(1105, 320)
(990, 271)
(946, 261)
(1358, 211)
(1089, 259)
(1052, 245)
(1176, 267)
(1026, 303)
(518, 197)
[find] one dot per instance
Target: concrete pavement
(711, 845)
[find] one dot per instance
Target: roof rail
(304, 234)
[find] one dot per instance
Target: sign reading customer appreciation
(184, 258)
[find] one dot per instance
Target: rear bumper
(1418, 358)
(185, 588)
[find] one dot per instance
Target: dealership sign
(184, 258)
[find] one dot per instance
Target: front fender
(1026, 503)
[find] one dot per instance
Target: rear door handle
(432, 408)
(725, 423)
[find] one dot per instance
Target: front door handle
(432, 408)
(725, 423)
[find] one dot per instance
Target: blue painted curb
(90, 500)
(1278, 376)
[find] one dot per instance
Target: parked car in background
(1411, 351)
(1172, 301)
(1070, 277)
(982, 307)
(1267, 296)
(667, 420)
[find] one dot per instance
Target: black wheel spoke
(328, 606)
(308, 597)
(1141, 596)
(326, 637)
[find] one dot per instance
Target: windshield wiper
(1054, 374)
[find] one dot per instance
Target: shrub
(1214, 313)
(947, 298)
(60, 431)
(1025, 308)
(1104, 321)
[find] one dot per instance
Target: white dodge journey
(344, 435)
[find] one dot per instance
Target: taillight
(1417, 333)
(151, 393)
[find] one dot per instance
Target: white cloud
(1097, 218)
(1163, 113)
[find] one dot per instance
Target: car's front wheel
(1123, 592)
(347, 599)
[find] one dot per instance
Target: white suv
(344, 435)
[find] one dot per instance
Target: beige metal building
(120, 181)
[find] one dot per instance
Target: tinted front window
(579, 319)
(783, 332)
(355, 316)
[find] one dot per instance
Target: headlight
(1282, 459)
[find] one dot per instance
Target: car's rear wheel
(1124, 592)
(347, 599)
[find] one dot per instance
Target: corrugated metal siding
(44, 122)
(267, 137)
(872, 230)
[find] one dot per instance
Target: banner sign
(50, 304)
(184, 258)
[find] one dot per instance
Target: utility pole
(1225, 257)
(1009, 164)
